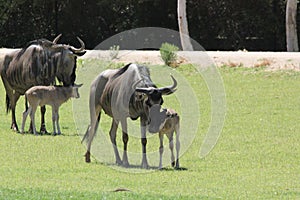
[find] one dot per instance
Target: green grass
(257, 155)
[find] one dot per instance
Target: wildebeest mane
(143, 72)
(40, 42)
(121, 71)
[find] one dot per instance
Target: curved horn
(145, 90)
(78, 86)
(57, 38)
(81, 48)
(169, 89)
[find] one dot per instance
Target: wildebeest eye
(139, 97)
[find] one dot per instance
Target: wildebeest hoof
(43, 129)
(173, 164)
(125, 164)
(14, 127)
(55, 134)
(119, 162)
(88, 157)
(145, 166)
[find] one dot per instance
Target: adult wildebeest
(123, 93)
(38, 63)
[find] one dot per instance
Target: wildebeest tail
(8, 105)
(86, 135)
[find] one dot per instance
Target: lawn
(257, 155)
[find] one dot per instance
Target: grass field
(257, 155)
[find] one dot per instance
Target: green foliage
(257, 156)
(215, 24)
(168, 53)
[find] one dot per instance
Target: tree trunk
(183, 26)
(291, 26)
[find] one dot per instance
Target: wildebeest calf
(48, 95)
(169, 126)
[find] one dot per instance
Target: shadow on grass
(49, 134)
(139, 167)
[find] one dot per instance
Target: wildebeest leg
(26, 108)
(144, 143)
(177, 145)
(161, 149)
(125, 141)
(32, 117)
(30, 130)
(113, 135)
(171, 146)
(15, 98)
(43, 126)
(25, 114)
(55, 121)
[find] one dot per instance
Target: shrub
(168, 53)
(114, 51)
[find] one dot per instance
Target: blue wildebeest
(38, 63)
(123, 93)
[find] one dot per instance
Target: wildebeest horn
(164, 91)
(81, 48)
(169, 89)
(57, 38)
(76, 85)
(145, 90)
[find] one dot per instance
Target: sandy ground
(271, 60)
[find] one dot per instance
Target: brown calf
(48, 95)
(170, 125)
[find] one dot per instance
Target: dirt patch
(269, 60)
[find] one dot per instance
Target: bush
(168, 53)
(114, 51)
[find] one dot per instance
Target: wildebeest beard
(73, 75)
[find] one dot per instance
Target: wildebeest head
(159, 117)
(153, 101)
(65, 58)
